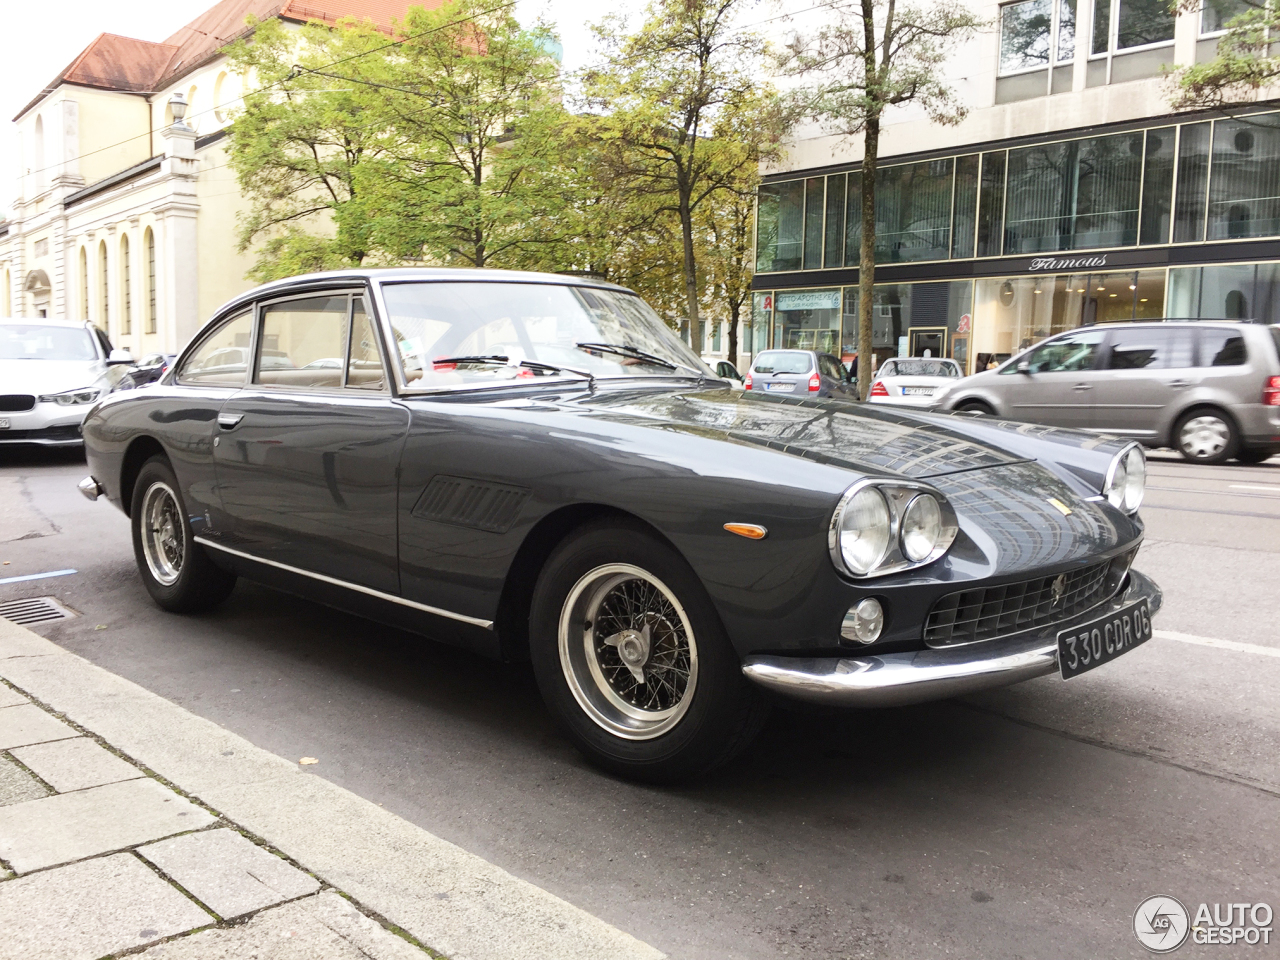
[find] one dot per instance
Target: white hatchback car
(912, 380)
(52, 372)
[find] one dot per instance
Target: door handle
(1179, 383)
(1082, 386)
(229, 421)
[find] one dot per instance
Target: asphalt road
(1027, 823)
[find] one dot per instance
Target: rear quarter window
(1222, 347)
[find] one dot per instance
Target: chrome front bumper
(892, 679)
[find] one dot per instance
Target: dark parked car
(536, 467)
(800, 372)
(147, 370)
(1209, 389)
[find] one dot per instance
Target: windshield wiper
(635, 353)
(496, 360)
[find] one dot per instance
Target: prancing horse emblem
(1058, 588)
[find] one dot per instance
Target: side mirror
(1024, 366)
(119, 356)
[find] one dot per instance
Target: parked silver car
(1209, 389)
(800, 372)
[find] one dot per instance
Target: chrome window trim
(180, 362)
(888, 565)
(426, 608)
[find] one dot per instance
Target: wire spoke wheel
(1204, 437)
(628, 651)
(163, 533)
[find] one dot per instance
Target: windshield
(783, 361)
(538, 322)
(920, 368)
(32, 341)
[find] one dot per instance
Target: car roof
(45, 322)
(362, 275)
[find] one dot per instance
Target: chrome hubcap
(1203, 437)
(628, 651)
(163, 533)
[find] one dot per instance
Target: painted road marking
(1220, 644)
(39, 576)
(1270, 487)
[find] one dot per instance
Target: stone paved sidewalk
(130, 826)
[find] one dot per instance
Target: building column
(177, 247)
(62, 296)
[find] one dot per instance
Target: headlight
(882, 526)
(865, 527)
(71, 398)
(1126, 480)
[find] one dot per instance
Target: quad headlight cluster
(1126, 479)
(880, 527)
(71, 398)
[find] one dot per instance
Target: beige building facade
(125, 216)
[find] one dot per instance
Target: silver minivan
(1209, 389)
(800, 372)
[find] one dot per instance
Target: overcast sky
(43, 40)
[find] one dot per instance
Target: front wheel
(1206, 436)
(175, 569)
(635, 664)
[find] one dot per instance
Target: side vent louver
(471, 503)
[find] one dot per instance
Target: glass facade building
(982, 253)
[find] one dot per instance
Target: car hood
(49, 376)
(871, 439)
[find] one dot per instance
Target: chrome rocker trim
(437, 611)
(893, 679)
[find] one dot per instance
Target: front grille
(70, 431)
(990, 612)
(16, 402)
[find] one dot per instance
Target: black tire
(1206, 435)
(169, 550)
(1253, 455)
(711, 716)
(974, 406)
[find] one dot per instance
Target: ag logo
(1161, 924)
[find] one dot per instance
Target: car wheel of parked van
(630, 655)
(175, 569)
(1206, 436)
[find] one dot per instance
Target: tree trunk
(690, 276)
(735, 311)
(867, 254)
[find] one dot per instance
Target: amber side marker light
(752, 531)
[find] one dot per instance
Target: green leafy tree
(298, 142)
(726, 225)
(470, 130)
(1247, 57)
(872, 56)
(672, 99)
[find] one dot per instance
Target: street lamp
(178, 107)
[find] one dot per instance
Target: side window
(364, 365)
(1222, 348)
(223, 356)
(103, 342)
(304, 342)
(1070, 353)
(1150, 348)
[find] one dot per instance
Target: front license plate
(917, 391)
(1090, 645)
(780, 387)
(4, 423)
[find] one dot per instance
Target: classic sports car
(536, 467)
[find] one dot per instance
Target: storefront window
(834, 255)
(1074, 195)
(1244, 192)
(1157, 185)
(909, 318)
(1247, 291)
(807, 320)
(780, 226)
(1193, 179)
(813, 202)
(991, 205)
(1010, 314)
(965, 209)
(913, 213)
(761, 315)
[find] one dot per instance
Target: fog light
(863, 622)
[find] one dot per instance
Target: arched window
(150, 241)
(104, 305)
(84, 283)
(219, 92)
(126, 287)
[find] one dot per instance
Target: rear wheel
(974, 406)
(175, 569)
(1206, 436)
(634, 664)
(1251, 455)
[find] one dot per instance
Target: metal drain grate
(35, 610)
